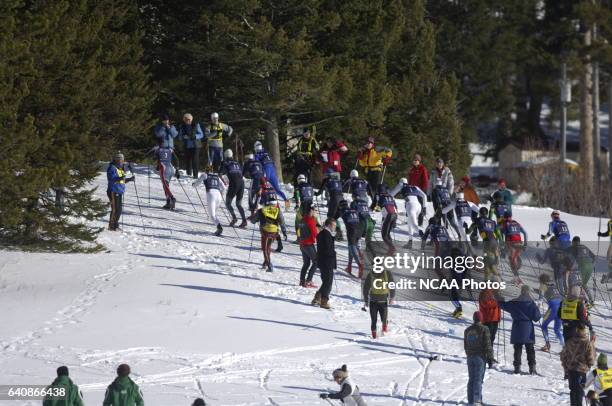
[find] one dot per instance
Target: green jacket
(123, 392)
(73, 395)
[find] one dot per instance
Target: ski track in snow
(395, 368)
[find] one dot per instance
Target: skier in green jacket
(123, 391)
(70, 396)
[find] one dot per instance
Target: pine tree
(85, 90)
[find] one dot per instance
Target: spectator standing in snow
(191, 133)
(490, 312)
(164, 132)
(479, 351)
(115, 175)
(72, 394)
(123, 391)
(326, 261)
(307, 237)
(577, 357)
(419, 177)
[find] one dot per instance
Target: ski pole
(187, 196)
(224, 210)
(149, 182)
(137, 200)
(201, 201)
(252, 238)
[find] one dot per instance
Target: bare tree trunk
(273, 145)
(586, 115)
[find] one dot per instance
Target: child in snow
(349, 392)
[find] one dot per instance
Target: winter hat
(370, 140)
(340, 373)
(198, 402)
(602, 361)
(574, 291)
(123, 370)
(477, 316)
(63, 371)
(187, 116)
(118, 157)
(501, 181)
(164, 117)
(417, 157)
(466, 179)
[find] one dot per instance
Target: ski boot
(385, 328)
(279, 247)
(517, 369)
(316, 300)
(234, 221)
(172, 203)
(546, 347)
(219, 230)
(458, 313)
(373, 333)
(349, 270)
(532, 370)
(360, 272)
(309, 284)
(243, 225)
(324, 304)
(167, 205)
(408, 245)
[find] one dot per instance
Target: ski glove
(132, 179)
(543, 236)
(602, 234)
(324, 395)
(178, 175)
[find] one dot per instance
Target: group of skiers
(456, 208)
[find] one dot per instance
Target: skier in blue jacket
(269, 170)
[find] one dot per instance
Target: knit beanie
(340, 373)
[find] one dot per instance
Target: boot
(167, 205)
(309, 284)
(360, 274)
(243, 224)
(373, 333)
(234, 221)
(339, 236)
(517, 369)
(408, 245)
(532, 370)
(458, 313)
(317, 299)
(546, 347)
(349, 269)
(325, 303)
(279, 247)
(172, 203)
(385, 328)
(219, 230)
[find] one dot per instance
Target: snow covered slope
(194, 315)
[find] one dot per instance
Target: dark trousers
(309, 258)
(192, 161)
(387, 227)
(327, 279)
(116, 201)
(492, 326)
(378, 308)
(576, 385)
(215, 157)
(236, 191)
(518, 354)
(374, 177)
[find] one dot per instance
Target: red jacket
(311, 222)
(418, 176)
(330, 159)
(488, 306)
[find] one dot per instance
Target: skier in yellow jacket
(373, 160)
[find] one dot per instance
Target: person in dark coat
(479, 352)
(524, 313)
(326, 261)
(191, 133)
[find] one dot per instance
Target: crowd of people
(458, 216)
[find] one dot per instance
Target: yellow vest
(605, 378)
(569, 309)
(121, 174)
(219, 132)
(270, 214)
(383, 287)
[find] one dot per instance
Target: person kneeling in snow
(349, 392)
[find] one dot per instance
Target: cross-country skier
(377, 296)
(270, 218)
(441, 198)
(457, 275)
(512, 231)
(585, 261)
(304, 192)
(601, 379)
(574, 313)
(354, 231)
(214, 187)
(165, 169)
(269, 170)
(307, 237)
(499, 208)
(253, 170)
(115, 175)
(608, 233)
(349, 392)
(233, 171)
(438, 235)
(490, 234)
(553, 299)
(414, 201)
(266, 194)
(123, 391)
(389, 215)
(357, 187)
(559, 229)
(213, 133)
(363, 209)
(559, 262)
(373, 160)
(463, 214)
(504, 193)
(441, 175)
(333, 186)
(72, 396)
